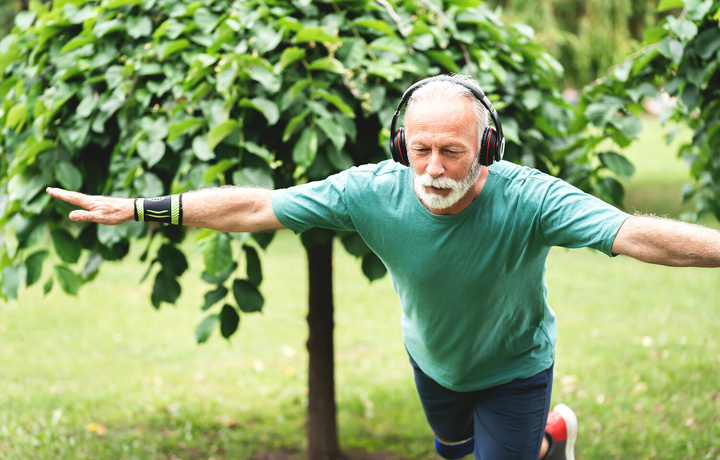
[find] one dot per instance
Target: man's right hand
(98, 209)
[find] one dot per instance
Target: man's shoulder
(514, 171)
(378, 169)
(521, 177)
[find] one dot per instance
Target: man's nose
(435, 167)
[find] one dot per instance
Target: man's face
(442, 145)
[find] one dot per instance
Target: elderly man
(465, 237)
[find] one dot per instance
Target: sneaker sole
(571, 424)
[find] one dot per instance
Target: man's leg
(510, 419)
(449, 414)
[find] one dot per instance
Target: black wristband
(166, 209)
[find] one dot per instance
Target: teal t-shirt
(471, 285)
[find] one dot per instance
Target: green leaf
(68, 175)
(290, 55)
(24, 19)
(66, 247)
(641, 92)
(532, 98)
(690, 96)
(187, 126)
(151, 152)
(174, 47)
(685, 29)
(698, 9)
(599, 113)
(618, 164)
(305, 149)
(229, 320)
(16, 116)
(139, 26)
(669, 5)
(443, 59)
(337, 101)
(214, 296)
(259, 151)
(69, 281)
(220, 132)
(372, 267)
(293, 123)
(218, 169)
(92, 266)
(220, 277)
(328, 64)
(315, 34)
(47, 287)
(12, 280)
(354, 244)
(672, 49)
(629, 125)
(269, 81)
(391, 44)
(34, 265)
(254, 268)
(114, 4)
(333, 131)
(172, 259)
(611, 190)
(377, 25)
(266, 36)
(148, 184)
(247, 296)
(707, 43)
(256, 177)
(166, 288)
(205, 19)
(217, 253)
(206, 328)
(201, 150)
(352, 52)
(103, 28)
(265, 106)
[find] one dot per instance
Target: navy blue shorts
(506, 421)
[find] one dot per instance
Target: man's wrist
(166, 209)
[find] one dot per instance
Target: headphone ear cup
(489, 147)
(398, 147)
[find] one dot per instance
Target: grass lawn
(105, 376)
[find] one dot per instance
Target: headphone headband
(397, 138)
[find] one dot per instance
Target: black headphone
(492, 146)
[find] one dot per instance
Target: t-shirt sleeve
(572, 218)
(318, 204)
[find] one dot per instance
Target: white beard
(458, 189)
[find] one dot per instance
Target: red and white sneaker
(562, 427)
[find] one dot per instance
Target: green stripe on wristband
(175, 210)
(140, 210)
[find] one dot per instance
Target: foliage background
(133, 98)
(144, 98)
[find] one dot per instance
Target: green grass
(105, 376)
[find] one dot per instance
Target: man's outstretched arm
(226, 209)
(668, 242)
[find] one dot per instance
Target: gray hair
(445, 89)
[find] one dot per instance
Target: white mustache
(438, 182)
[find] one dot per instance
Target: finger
(81, 216)
(78, 199)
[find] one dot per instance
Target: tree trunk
(322, 440)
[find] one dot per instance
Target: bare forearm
(226, 209)
(668, 242)
(230, 209)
